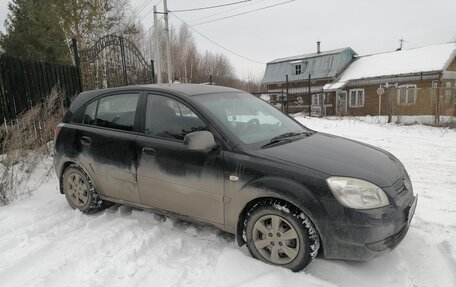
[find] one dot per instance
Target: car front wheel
(279, 234)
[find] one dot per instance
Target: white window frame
(408, 88)
(435, 85)
(447, 93)
(357, 105)
(296, 66)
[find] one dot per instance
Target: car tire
(80, 191)
(279, 234)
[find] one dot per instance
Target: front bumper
(365, 234)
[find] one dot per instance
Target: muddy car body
(221, 156)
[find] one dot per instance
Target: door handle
(149, 150)
(86, 140)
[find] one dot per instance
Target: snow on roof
(425, 59)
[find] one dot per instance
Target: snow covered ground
(43, 242)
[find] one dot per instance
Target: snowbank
(407, 120)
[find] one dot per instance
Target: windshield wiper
(285, 137)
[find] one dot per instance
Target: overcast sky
(367, 26)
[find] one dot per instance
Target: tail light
(57, 130)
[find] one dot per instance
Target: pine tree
(33, 31)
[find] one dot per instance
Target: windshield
(247, 117)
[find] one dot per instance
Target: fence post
(389, 104)
(152, 71)
(124, 65)
(286, 87)
(437, 103)
(210, 79)
(310, 98)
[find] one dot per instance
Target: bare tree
(192, 66)
(88, 20)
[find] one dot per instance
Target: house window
(435, 85)
(298, 69)
(406, 95)
(447, 96)
(356, 98)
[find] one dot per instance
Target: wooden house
(288, 84)
(419, 81)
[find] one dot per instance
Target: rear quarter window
(90, 113)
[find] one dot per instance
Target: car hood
(338, 156)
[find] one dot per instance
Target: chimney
(318, 47)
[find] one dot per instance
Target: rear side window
(116, 112)
(90, 113)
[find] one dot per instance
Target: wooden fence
(25, 83)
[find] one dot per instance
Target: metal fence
(438, 104)
(25, 83)
(112, 61)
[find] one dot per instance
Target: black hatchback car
(224, 157)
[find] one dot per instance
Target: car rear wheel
(80, 191)
(279, 234)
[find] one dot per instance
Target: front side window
(356, 98)
(168, 118)
(406, 95)
(117, 111)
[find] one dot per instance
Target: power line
(148, 30)
(140, 18)
(243, 13)
(226, 49)
(142, 5)
(224, 12)
(144, 16)
(210, 7)
(139, 7)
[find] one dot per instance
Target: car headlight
(357, 193)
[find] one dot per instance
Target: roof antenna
(401, 44)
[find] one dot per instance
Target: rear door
(171, 177)
(108, 137)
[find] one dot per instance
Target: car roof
(181, 89)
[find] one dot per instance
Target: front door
(341, 103)
(170, 176)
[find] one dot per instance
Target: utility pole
(157, 47)
(168, 47)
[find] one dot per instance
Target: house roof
(310, 55)
(326, 64)
(433, 58)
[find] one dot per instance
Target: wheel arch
(284, 190)
(64, 167)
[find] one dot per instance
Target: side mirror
(200, 140)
